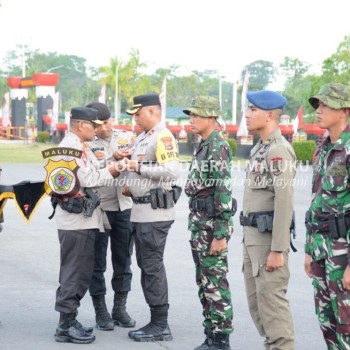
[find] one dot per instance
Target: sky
(218, 35)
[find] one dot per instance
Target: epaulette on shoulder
(278, 141)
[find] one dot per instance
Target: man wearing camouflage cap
(210, 221)
(266, 219)
(327, 254)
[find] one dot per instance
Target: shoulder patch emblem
(277, 165)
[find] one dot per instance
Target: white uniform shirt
(111, 195)
(157, 152)
(88, 176)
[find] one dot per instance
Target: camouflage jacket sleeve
(220, 158)
(281, 165)
(308, 239)
(330, 195)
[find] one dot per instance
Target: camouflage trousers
(332, 301)
(213, 288)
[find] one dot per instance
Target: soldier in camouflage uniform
(327, 254)
(210, 221)
(266, 217)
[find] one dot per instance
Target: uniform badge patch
(257, 179)
(277, 165)
(99, 154)
(167, 141)
(61, 177)
(166, 148)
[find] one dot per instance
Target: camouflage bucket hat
(333, 95)
(204, 106)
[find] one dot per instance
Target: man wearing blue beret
(266, 219)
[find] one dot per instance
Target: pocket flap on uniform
(255, 269)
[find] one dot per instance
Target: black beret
(143, 101)
(266, 99)
(84, 113)
(104, 112)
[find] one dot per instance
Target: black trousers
(122, 243)
(150, 239)
(77, 263)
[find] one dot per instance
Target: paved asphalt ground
(29, 266)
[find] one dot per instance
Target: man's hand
(217, 246)
(346, 278)
(307, 265)
(118, 155)
(126, 191)
(113, 168)
(131, 165)
(274, 261)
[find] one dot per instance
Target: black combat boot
(103, 319)
(86, 329)
(119, 315)
(220, 342)
(207, 342)
(69, 330)
(158, 329)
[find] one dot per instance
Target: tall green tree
(261, 74)
(336, 68)
(131, 79)
(297, 85)
(75, 85)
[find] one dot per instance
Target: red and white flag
(242, 130)
(298, 121)
(102, 96)
(162, 98)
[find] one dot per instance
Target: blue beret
(266, 99)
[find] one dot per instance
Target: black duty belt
(336, 225)
(263, 221)
(141, 200)
(252, 219)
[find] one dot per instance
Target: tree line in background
(80, 84)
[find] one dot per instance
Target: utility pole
(234, 103)
(116, 96)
